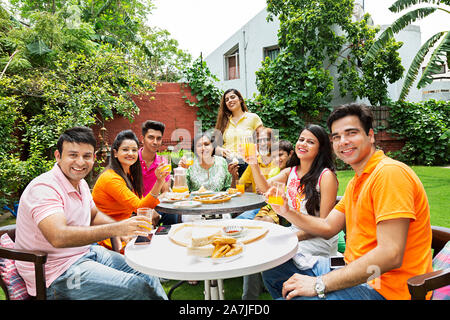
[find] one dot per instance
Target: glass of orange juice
(276, 198)
(240, 187)
(168, 161)
(148, 213)
(189, 158)
(248, 147)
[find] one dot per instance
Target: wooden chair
(420, 285)
(38, 258)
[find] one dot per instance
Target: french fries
(225, 247)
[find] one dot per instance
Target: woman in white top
(311, 188)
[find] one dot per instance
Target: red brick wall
(387, 142)
(168, 106)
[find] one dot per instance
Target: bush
(426, 127)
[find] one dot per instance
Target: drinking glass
(148, 213)
(248, 147)
(189, 158)
(277, 198)
(167, 159)
(240, 187)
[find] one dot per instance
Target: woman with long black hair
(311, 188)
(118, 190)
(311, 185)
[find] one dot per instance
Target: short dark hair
(285, 145)
(353, 109)
(76, 135)
(155, 125)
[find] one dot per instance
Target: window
(271, 52)
(232, 64)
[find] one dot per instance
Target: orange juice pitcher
(180, 184)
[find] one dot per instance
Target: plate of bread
(197, 235)
(233, 191)
(174, 197)
(225, 249)
(208, 244)
(217, 198)
(202, 191)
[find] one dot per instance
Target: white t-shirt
(309, 248)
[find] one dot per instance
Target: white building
(238, 58)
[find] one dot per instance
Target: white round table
(166, 259)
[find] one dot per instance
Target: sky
(200, 26)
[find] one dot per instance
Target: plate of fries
(226, 249)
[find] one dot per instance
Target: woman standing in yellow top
(234, 122)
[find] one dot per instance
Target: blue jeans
(104, 274)
(274, 279)
(250, 214)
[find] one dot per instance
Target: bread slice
(203, 251)
(203, 236)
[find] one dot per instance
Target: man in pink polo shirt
(57, 215)
(152, 133)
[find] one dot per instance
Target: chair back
(10, 230)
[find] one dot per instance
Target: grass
(232, 290)
(436, 181)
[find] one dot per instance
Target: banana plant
(439, 53)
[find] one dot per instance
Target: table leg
(221, 290)
(214, 290)
(207, 291)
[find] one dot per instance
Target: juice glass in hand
(148, 212)
(276, 197)
(168, 161)
(189, 158)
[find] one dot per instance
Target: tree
(441, 38)
(314, 36)
(56, 73)
(120, 23)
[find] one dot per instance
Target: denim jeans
(250, 214)
(274, 279)
(104, 274)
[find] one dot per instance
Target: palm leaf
(395, 27)
(416, 63)
(436, 61)
(403, 4)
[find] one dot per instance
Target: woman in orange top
(118, 190)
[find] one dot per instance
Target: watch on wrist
(320, 287)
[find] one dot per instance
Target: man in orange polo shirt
(386, 216)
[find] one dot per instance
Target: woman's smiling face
(307, 146)
(127, 153)
(204, 148)
(232, 101)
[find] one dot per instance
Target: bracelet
(154, 196)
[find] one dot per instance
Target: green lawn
(436, 181)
